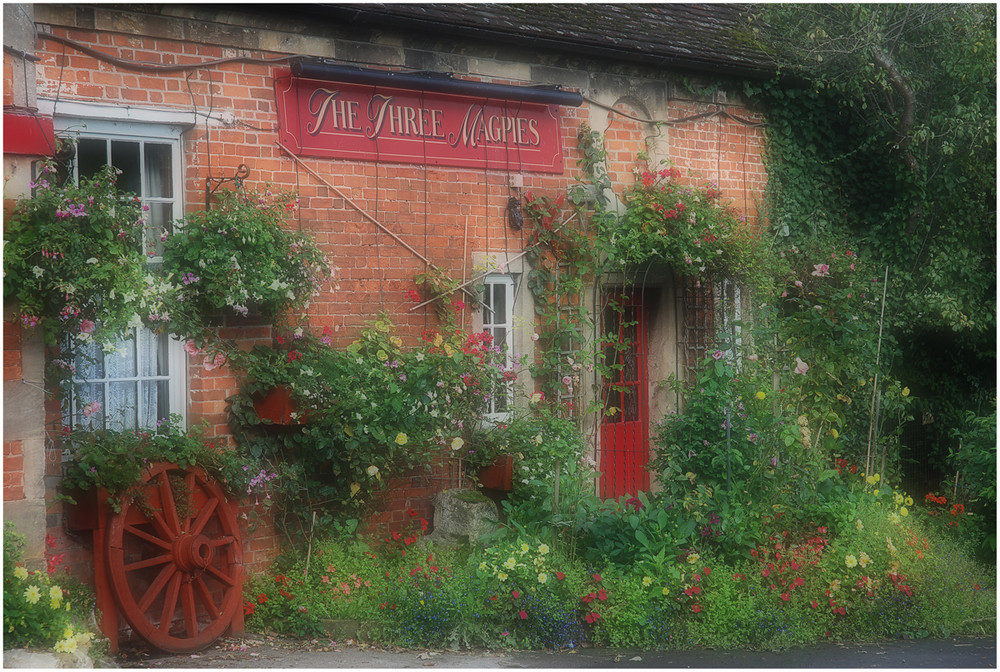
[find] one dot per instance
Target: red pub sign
(369, 123)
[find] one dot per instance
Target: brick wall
(446, 214)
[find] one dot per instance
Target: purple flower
(718, 354)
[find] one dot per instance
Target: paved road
(964, 653)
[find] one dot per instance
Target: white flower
(457, 443)
(92, 260)
(38, 271)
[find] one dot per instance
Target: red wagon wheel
(175, 560)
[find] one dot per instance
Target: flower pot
(278, 407)
(499, 475)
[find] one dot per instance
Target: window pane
(500, 303)
(155, 402)
(121, 363)
(122, 406)
(631, 404)
(500, 336)
(88, 413)
(89, 362)
(159, 179)
(158, 219)
(125, 157)
(91, 156)
(152, 354)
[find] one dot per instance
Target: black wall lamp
(433, 81)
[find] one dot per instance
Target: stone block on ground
(462, 516)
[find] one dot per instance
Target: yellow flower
(760, 395)
(396, 340)
(482, 565)
(355, 488)
(32, 594)
(510, 564)
(543, 549)
(21, 573)
(903, 512)
(906, 391)
(888, 544)
(666, 591)
(543, 577)
(502, 576)
(524, 548)
(438, 340)
(872, 480)
(850, 560)
(55, 594)
(693, 558)
(381, 355)
(894, 518)
(908, 501)
(864, 560)
(647, 581)
(401, 439)
(875, 492)
(373, 471)
(897, 499)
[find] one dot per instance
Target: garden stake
(878, 353)
(729, 466)
(310, 549)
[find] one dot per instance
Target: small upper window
(498, 322)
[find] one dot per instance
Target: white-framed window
(141, 379)
(498, 321)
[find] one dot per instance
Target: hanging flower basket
(499, 475)
(278, 406)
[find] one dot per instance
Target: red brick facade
(446, 214)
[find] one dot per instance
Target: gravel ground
(272, 652)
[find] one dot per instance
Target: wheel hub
(193, 552)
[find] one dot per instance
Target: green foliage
(885, 150)
(369, 412)
(976, 459)
(235, 258)
(37, 611)
(116, 460)
(74, 265)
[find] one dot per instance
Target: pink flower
(798, 283)
(210, 364)
(524, 615)
(87, 326)
(800, 367)
(192, 349)
(515, 594)
(821, 270)
(718, 354)
(91, 408)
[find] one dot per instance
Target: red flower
(696, 590)
(706, 571)
(696, 608)
(412, 512)
(592, 617)
(560, 576)
(597, 577)
(515, 594)
(696, 578)
(814, 604)
(412, 295)
(249, 608)
(524, 615)
(262, 598)
(765, 572)
(602, 595)
(785, 596)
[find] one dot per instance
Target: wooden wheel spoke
(189, 483)
(131, 529)
(162, 526)
(149, 562)
(203, 516)
(221, 541)
(161, 580)
(190, 613)
(170, 603)
(226, 579)
(206, 598)
(167, 502)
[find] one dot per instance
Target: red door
(624, 428)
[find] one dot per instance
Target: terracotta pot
(278, 407)
(499, 475)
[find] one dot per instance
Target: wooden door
(625, 425)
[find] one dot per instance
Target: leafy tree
(890, 143)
